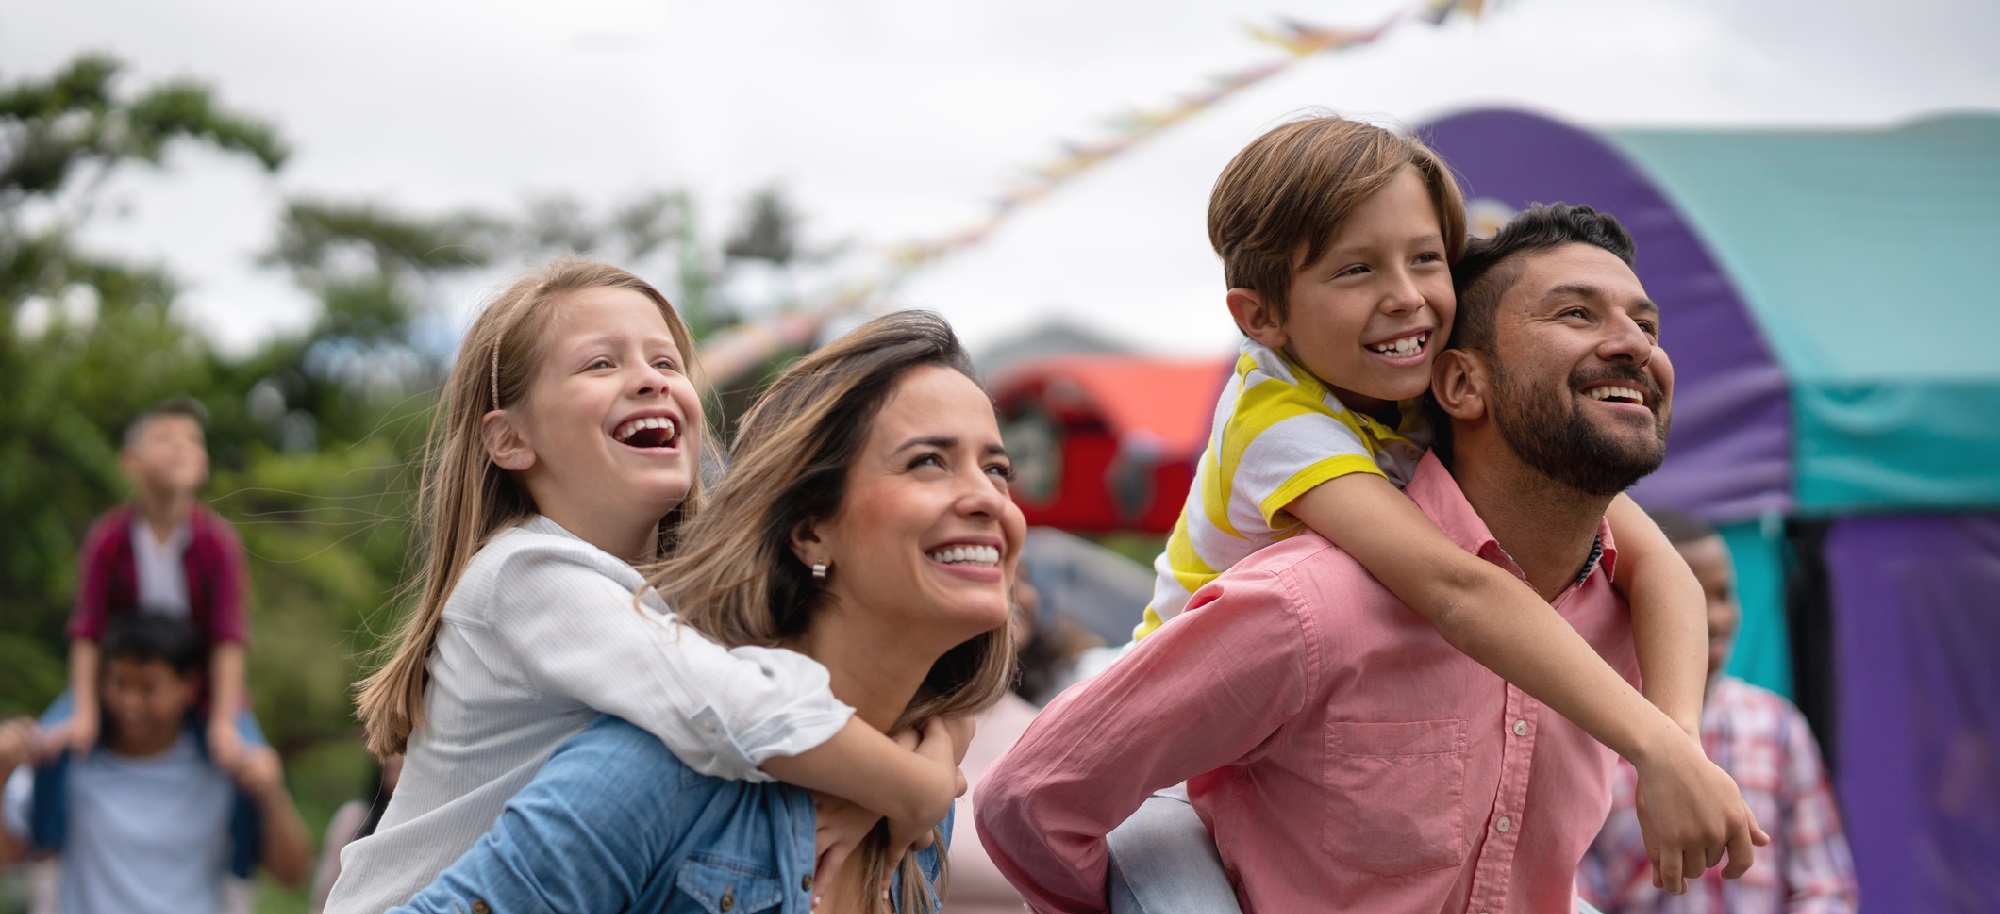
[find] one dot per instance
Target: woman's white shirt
(540, 636)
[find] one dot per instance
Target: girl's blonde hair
(465, 499)
(738, 582)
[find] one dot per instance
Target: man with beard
(1343, 755)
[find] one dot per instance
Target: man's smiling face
(1582, 390)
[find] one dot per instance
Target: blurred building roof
(1050, 337)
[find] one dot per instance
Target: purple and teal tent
(1829, 303)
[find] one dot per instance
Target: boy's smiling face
(1370, 313)
(167, 455)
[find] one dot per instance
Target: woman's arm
(1494, 618)
(1669, 614)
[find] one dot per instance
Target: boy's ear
(1460, 383)
(1253, 316)
(505, 445)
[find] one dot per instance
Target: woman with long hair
(864, 522)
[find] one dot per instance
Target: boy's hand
(259, 773)
(225, 745)
(18, 743)
(839, 827)
(1691, 815)
(80, 732)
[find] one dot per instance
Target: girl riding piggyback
(563, 461)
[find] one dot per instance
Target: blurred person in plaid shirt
(1763, 741)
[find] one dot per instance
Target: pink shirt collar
(1437, 494)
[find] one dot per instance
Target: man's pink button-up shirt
(1343, 755)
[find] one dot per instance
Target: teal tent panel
(1862, 255)
(1763, 653)
(1914, 445)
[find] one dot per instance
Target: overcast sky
(894, 120)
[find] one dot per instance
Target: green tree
(86, 339)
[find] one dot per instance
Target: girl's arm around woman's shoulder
(576, 631)
(586, 834)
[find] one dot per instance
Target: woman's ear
(505, 445)
(807, 546)
(1253, 316)
(1459, 384)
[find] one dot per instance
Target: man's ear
(1460, 383)
(505, 445)
(1253, 316)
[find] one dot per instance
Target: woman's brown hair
(464, 498)
(738, 582)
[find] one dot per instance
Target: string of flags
(747, 347)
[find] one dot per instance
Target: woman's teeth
(1409, 345)
(976, 556)
(631, 427)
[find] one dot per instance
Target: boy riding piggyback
(1337, 240)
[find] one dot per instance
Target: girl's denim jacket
(614, 822)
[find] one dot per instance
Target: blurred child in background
(143, 822)
(1763, 741)
(354, 820)
(163, 553)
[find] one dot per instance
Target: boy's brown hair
(1277, 204)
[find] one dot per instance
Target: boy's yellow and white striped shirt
(1278, 431)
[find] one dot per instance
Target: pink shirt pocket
(1395, 798)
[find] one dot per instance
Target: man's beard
(1550, 434)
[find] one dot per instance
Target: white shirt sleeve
(578, 633)
(18, 796)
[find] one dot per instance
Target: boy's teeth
(1409, 345)
(981, 556)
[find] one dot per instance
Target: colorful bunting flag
(746, 347)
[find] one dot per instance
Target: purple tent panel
(1916, 617)
(1730, 456)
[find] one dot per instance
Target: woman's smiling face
(926, 532)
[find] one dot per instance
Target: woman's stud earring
(819, 572)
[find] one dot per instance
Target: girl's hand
(838, 828)
(935, 745)
(1692, 815)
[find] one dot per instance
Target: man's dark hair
(188, 407)
(146, 637)
(1680, 527)
(1489, 266)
